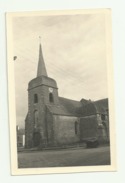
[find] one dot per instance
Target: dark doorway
(36, 139)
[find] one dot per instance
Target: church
(54, 121)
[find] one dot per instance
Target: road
(65, 157)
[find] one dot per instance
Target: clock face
(51, 90)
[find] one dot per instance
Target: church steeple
(41, 70)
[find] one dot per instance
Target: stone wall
(39, 107)
(39, 121)
(103, 128)
(88, 127)
(50, 128)
(28, 133)
(64, 130)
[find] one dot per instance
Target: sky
(74, 51)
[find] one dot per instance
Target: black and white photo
(60, 87)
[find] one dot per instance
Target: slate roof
(101, 105)
(70, 107)
(67, 107)
(94, 107)
(58, 110)
(88, 109)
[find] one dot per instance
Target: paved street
(65, 157)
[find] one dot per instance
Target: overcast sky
(74, 51)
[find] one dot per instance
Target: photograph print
(60, 87)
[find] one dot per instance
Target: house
(20, 137)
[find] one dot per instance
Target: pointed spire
(41, 70)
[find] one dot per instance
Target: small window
(51, 99)
(35, 98)
(76, 127)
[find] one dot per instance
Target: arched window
(35, 98)
(76, 127)
(51, 99)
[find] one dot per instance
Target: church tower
(42, 92)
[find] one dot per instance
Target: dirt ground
(64, 158)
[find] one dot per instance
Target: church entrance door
(36, 139)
